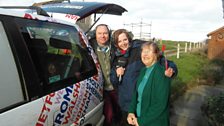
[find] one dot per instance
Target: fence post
(178, 51)
(185, 47)
(190, 47)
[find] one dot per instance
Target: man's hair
(108, 29)
(102, 25)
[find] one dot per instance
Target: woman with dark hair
(150, 100)
(126, 68)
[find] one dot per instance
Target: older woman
(149, 106)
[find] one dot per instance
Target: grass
(190, 67)
(170, 45)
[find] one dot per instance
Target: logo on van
(74, 101)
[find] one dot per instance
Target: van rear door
(76, 11)
(84, 9)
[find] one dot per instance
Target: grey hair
(154, 46)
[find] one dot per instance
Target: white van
(49, 74)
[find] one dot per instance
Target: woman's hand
(169, 72)
(120, 71)
(132, 120)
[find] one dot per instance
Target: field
(170, 45)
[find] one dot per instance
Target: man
(104, 51)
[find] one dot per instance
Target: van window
(10, 86)
(58, 52)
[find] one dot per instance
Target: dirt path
(186, 109)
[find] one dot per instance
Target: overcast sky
(180, 20)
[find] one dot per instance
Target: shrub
(177, 88)
(213, 71)
(213, 110)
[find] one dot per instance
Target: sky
(179, 20)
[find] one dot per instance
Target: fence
(188, 47)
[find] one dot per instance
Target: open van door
(75, 11)
(84, 9)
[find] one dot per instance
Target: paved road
(186, 109)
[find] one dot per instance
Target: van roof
(10, 12)
(22, 14)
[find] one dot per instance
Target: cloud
(183, 20)
(18, 2)
(15, 2)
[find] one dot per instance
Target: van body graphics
(76, 100)
(66, 106)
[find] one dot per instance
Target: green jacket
(155, 98)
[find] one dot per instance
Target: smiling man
(104, 51)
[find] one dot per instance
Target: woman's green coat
(155, 98)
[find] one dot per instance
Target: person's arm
(113, 76)
(133, 105)
(172, 70)
(172, 65)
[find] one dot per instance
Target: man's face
(102, 35)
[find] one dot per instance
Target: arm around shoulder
(113, 77)
(172, 65)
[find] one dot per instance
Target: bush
(178, 87)
(213, 110)
(213, 72)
